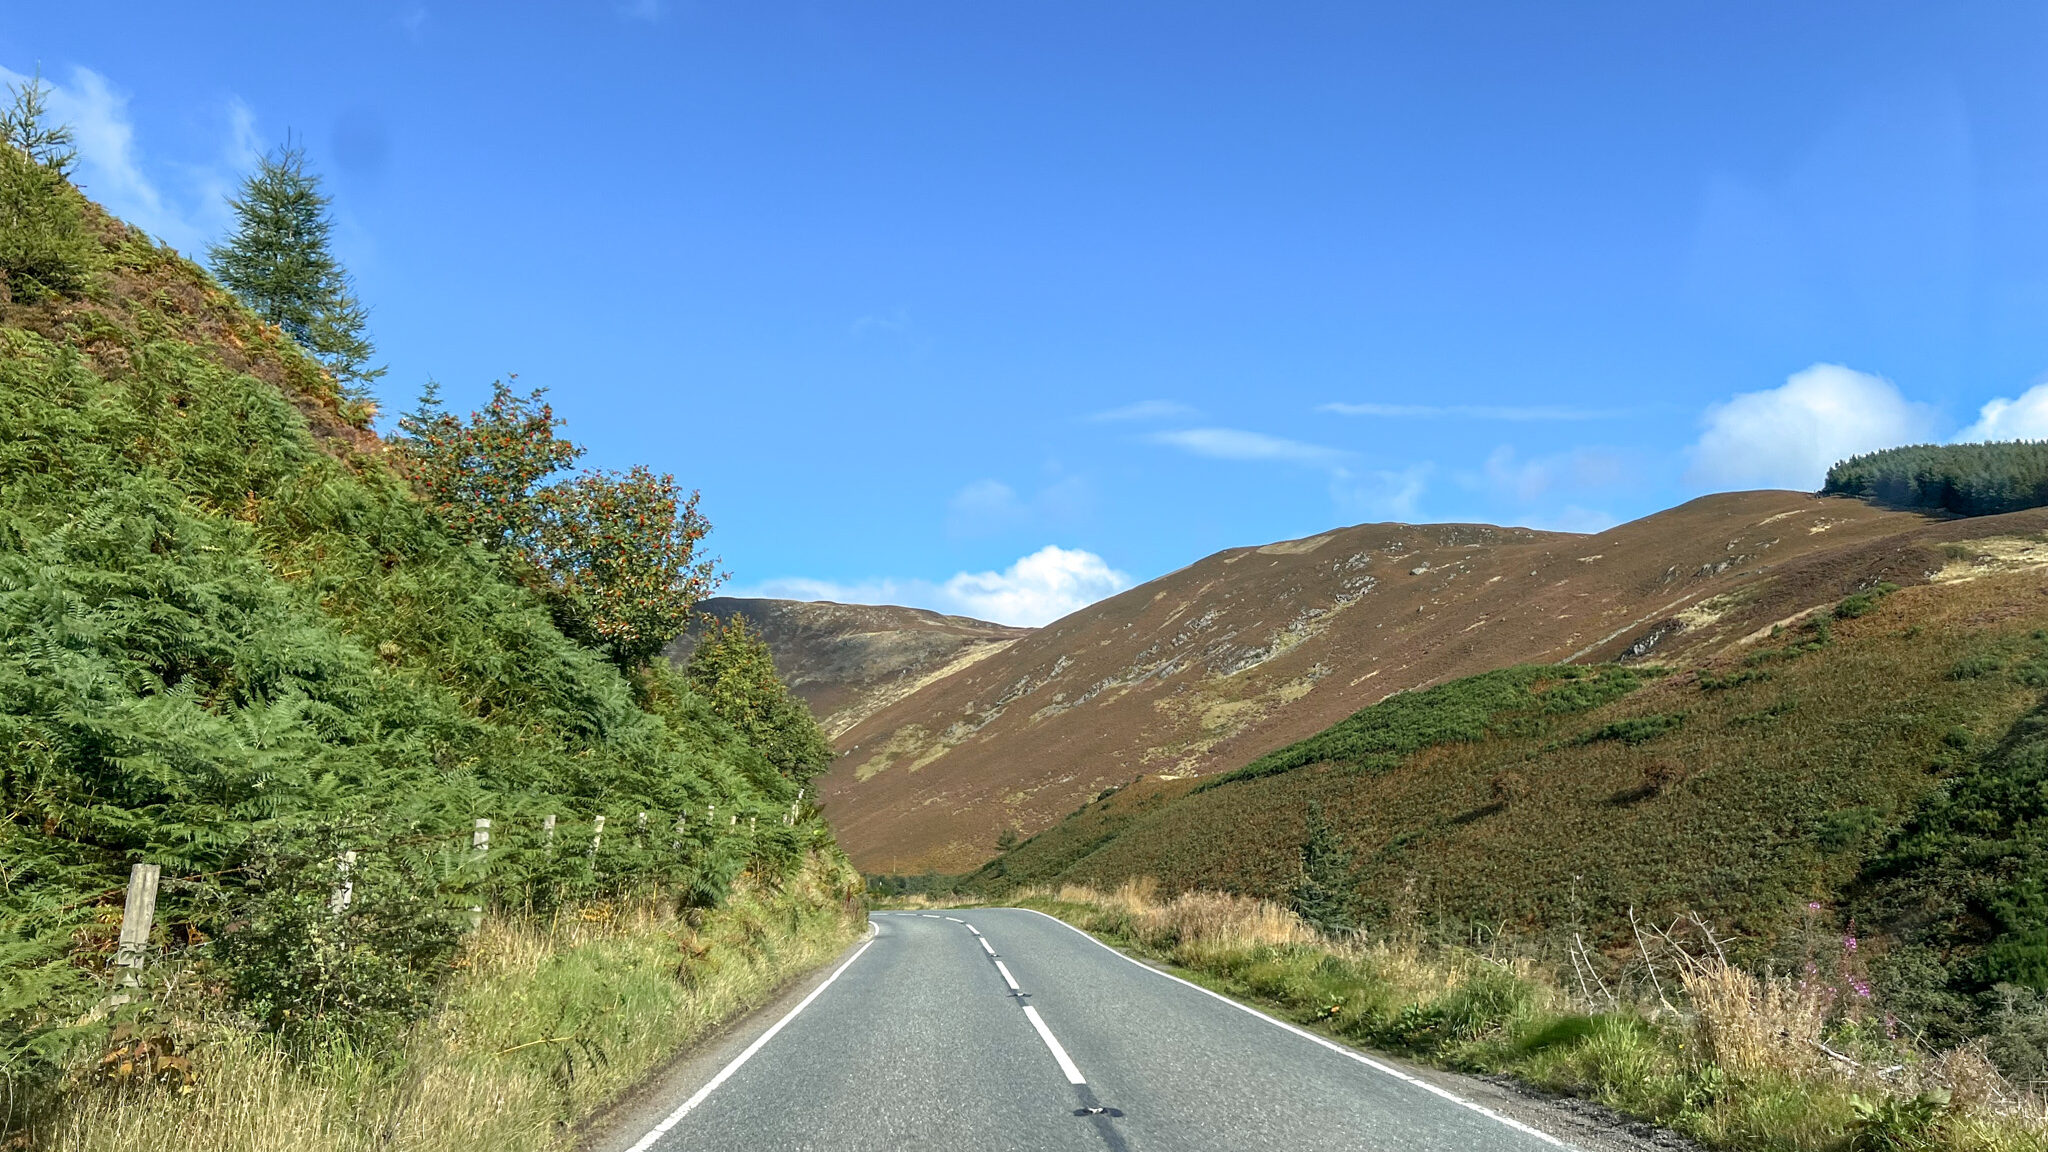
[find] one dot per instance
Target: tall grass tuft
(543, 1024)
(1739, 1061)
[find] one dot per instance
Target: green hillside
(1872, 769)
(236, 644)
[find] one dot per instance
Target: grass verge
(1722, 1055)
(543, 1025)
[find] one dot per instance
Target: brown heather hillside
(1251, 649)
(848, 660)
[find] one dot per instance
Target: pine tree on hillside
(26, 125)
(280, 264)
(45, 247)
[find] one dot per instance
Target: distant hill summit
(1206, 669)
(847, 660)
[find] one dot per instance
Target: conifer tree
(1319, 895)
(45, 247)
(280, 263)
(734, 671)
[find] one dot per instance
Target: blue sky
(1000, 307)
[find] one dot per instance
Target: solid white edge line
(1058, 1053)
(1332, 1045)
(675, 1117)
(1007, 978)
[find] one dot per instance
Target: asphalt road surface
(1000, 1029)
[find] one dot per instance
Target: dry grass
(544, 1025)
(1743, 1061)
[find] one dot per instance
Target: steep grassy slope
(233, 643)
(1208, 668)
(1745, 786)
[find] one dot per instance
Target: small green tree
(25, 122)
(733, 669)
(279, 261)
(1321, 893)
(45, 248)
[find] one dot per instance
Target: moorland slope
(848, 660)
(1248, 650)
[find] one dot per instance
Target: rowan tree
(614, 554)
(482, 474)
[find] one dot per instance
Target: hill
(235, 643)
(848, 660)
(1877, 763)
(1248, 650)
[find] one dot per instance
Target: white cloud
(1036, 590)
(1237, 444)
(2023, 419)
(1470, 412)
(185, 213)
(1787, 437)
(1146, 410)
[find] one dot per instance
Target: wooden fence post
(480, 843)
(345, 888)
(137, 917)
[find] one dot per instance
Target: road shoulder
(1582, 1124)
(623, 1122)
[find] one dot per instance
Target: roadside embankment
(1701, 1047)
(541, 1026)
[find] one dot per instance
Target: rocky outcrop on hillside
(1206, 668)
(847, 660)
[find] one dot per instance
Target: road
(1000, 1029)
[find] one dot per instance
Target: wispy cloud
(1036, 590)
(1238, 444)
(893, 323)
(1529, 480)
(1380, 494)
(189, 208)
(1145, 410)
(989, 506)
(1472, 412)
